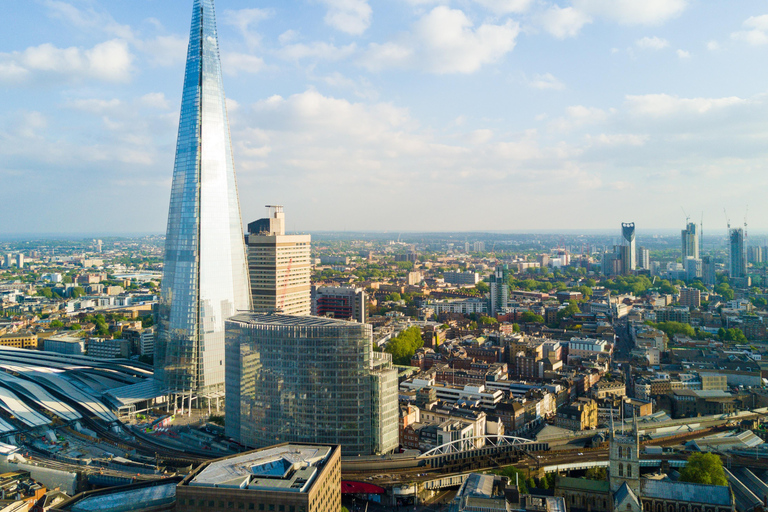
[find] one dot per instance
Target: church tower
(624, 459)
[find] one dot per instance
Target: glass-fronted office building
(205, 279)
(308, 379)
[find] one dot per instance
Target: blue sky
(395, 114)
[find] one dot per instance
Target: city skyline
(405, 110)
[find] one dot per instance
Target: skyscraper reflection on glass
(205, 275)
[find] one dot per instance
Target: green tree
(673, 328)
(515, 327)
(77, 291)
(571, 309)
(405, 345)
(596, 474)
(531, 317)
(724, 290)
(482, 287)
(45, 292)
(704, 468)
(393, 297)
(487, 320)
(75, 327)
(56, 324)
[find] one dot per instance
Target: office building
(737, 256)
(311, 380)
(461, 278)
(708, 270)
(19, 261)
(499, 287)
(342, 302)
(63, 344)
(478, 247)
(690, 241)
(694, 267)
(611, 262)
(629, 254)
(205, 279)
(643, 258)
(279, 266)
(8, 260)
(289, 477)
(108, 349)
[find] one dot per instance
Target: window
(621, 469)
(629, 471)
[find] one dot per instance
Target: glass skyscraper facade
(205, 279)
(308, 379)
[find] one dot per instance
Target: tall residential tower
(690, 241)
(205, 279)
(628, 252)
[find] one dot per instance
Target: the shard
(205, 274)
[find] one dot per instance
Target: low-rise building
(22, 339)
(580, 415)
(290, 477)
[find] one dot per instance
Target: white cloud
(444, 41)
(96, 106)
(386, 55)
(652, 43)
(349, 16)
(155, 100)
(110, 61)
(577, 116)
(546, 81)
(684, 54)
(317, 50)
(757, 33)
(633, 12)
(88, 19)
(617, 139)
(452, 46)
(245, 20)
(233, 63)
(713, 46)
(661, 105)
(506, 6)
(164, 50)
(563, 22)
(288, 36)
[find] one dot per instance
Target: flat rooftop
(285, 468)
(290, 320)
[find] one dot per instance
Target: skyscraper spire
(205, 279)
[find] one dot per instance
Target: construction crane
(687, 217)
(284, 291)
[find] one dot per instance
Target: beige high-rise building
(279, 266)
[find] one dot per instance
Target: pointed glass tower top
(205, 279)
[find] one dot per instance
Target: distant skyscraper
(644, 258)
(690, 241)
(205, 278)
(737, 256)
(20, 261)
(499, 287)
(309, 379)
(628, 256)
(279, 266)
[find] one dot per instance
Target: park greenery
(704, 468)
(404, 345)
